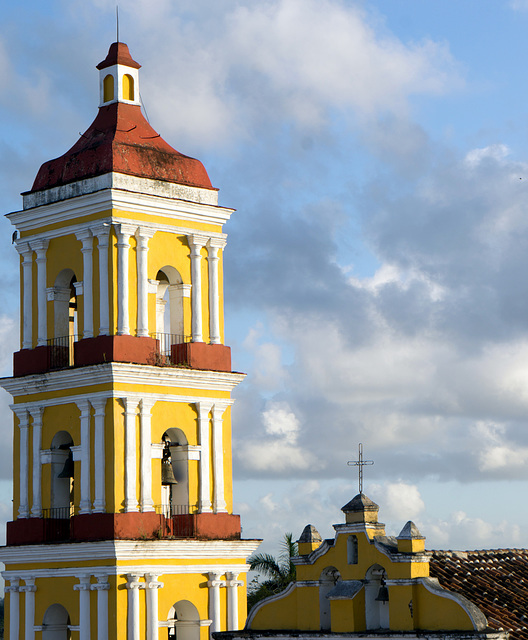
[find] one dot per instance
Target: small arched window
(108, 88)
(128, 87)
(352, 550)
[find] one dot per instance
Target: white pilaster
(85, 505)
(14, 608)
(27, 277)
(204, 408)
(196, 243)
(99, 406)
(130, 454)
(214, 585)
(232, 584)
(145, 445)
(214, 295)
(40, 247)
(86, 238)
(152, 585)
(124, 232)
(143, 235)
(29, 606)
(102, 587)
(102, 234)
(84, 607)
(219, 503)
(133, 587)
(36, 506)
(23, 425)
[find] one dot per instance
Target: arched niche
(108, 88)
(184, 621)
(61, 499)
(376, 611)
(175, 498)
(169, 303)
(128, 87)
(327, 580)
(55, 623)
(352, 549)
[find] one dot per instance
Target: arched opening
(62, 476)
(376, 598)
(352, 549)
(55, 623)
(65, 319)
(175, 486)
(184, 621)
(128, 87)
(169, 308)
(108, 88)
(327, 581)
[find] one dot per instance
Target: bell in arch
(383, 593)
(167, 473)
(68, 469)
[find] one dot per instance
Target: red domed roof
(121, 140)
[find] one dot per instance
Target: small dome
(360, 503)
(310, 534)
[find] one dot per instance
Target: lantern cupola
(119, 76)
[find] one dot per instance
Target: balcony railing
(60, 351)
(177, 520)
(166, 341)
(57, 523)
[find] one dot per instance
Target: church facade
(123, 519)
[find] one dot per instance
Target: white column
(232, 584)
(29, 606)
(152, 585)
(23, 425)
(102, 234)
(27, 277)
(84, 607)
(36, 506)
(219, 504)
(133, 587)
(102, 588)
(14, 608)
(99, 406)
(214, 585)
(86, 238)
(145, 444)
(196, 243)
(123, 245)
(41, 246)
(130, 454)
(214, 295)
(204, 504)
(143, 236)
(85, 506)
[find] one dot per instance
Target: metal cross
(360, 463)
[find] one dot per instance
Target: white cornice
(86, 204)
(122, 373)
(129, 551)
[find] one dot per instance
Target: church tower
(122, 507)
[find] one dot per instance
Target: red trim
(29, 361)
(199, 355)
(115, 349)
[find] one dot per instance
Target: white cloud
(400, 501)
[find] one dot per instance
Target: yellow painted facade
(122, 503)
(360, 582)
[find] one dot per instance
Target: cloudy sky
(377, 265)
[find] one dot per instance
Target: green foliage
(278, 571)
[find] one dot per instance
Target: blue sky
(377, 156)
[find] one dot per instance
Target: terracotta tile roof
(495, 580)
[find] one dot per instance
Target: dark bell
(67, 470)
(383, 593)
(167, 474)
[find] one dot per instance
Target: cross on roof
(360, 463)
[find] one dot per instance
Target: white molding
(130, 550)
(40, 210)
(123, 373)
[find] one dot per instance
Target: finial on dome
(310, 539)
(119, 76)
(410, 539)
(361, 509)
